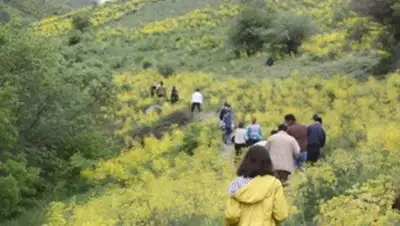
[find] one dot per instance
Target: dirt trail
(227, 151)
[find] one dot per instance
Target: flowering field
(156, 183)
(115, 173)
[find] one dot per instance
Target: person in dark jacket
(315, 139)
(223, 112)
(174, 95)
(227, 120)
(153, 89)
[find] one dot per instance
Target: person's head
(256, 162)
(273, 132)
(241, 125)
(316, 118)
(290, 119)
(282, 127)
(197, 90)
(226, 104)
(173, 88)
(254, 121)
(161, 83)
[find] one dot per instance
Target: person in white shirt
(240, 138)
(197, 100)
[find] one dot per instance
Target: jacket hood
(258, 189)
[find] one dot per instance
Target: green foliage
(81, 22)
(289, 30)
(50, 112)
(166, 69)
(249, 32)
(74, 38)
(9, 195)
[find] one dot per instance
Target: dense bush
(386, 12)
(49, 114)
(80, 22)
(166, 69)
(248, 35)
(289, 30)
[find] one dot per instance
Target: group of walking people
(160, 91)
(256, 196)
(290, 145)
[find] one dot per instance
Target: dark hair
(198, 90)
(241, 125)
(290, 117)
(256, 162)
(282, 127)
(317, 118)
(254, 120)
(273, 131)
(161, 83)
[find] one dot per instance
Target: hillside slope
(78, 147)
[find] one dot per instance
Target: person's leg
(228, 132)
(199, 107)
(301, 159)
(192, 107)
(313, 154)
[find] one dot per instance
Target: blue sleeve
(248, 132)
(260, 132)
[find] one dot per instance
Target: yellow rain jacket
(261, 202)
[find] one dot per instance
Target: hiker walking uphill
(299, 132)
(174, 95)
(256, 196)
(315, 139)
(197, 100)
(161, 91)
(284, 150)
(153, 89)
(254, 132)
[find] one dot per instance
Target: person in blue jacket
(316, 138)
(254, 132)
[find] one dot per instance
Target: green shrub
(74, 38)
(248, 34)
(146, 65)
(357, 31)
(166, 70)
(9, 195)
(288, 31)
(80, 22)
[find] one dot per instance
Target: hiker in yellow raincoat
(256, 196)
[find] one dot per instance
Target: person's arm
(296, 149)
(280, 209)
(260, 132)
(232, 212)
(248, 132)
(268, 144)
(322, 137)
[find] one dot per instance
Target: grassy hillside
(78, 148)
